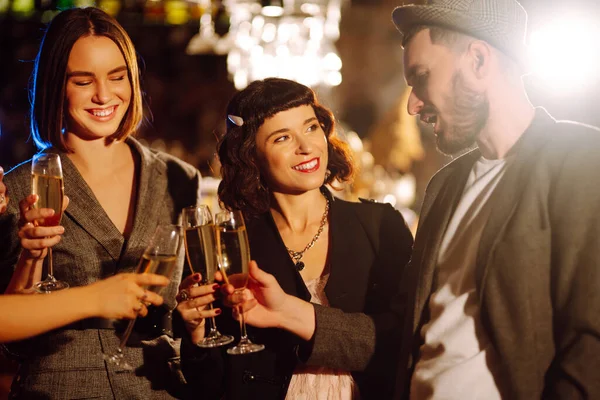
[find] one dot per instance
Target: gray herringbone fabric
(502, 23)
(67, 363)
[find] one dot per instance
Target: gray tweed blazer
(67, 363)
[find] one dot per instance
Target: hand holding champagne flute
(233, 252)
(199, 237)
(160, 258)
(47, 184)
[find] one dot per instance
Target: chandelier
(284, 38)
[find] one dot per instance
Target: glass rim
(236, 216)
(230, 212)
(45, 155)
(191, 216)
(167, 227)
(195, 207)
(47, 164)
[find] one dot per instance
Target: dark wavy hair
(242, 186)
(49, 77)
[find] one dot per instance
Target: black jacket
(370, 245)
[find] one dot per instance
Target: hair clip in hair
(239, 121)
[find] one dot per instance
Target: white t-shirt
(457, 360)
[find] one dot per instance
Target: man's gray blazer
(537, 267)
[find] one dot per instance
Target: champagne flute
(199, 238)
(233, 253)
(160, 257)
(47, 183)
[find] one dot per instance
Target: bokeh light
(565, 53)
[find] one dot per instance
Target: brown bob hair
(242, 186)
(49, 77)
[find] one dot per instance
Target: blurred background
(196, 54)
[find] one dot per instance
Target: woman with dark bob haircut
(322, 302)
(243, 187)
(86, 103)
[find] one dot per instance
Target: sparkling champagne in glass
(47, 183)
(199, 237)
(160, 258)
(233, 254)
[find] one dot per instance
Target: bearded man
(502, 296)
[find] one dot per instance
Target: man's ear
(480, 54)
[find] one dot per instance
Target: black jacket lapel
(267, 249)
(350, 252)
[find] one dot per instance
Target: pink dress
(321, 383)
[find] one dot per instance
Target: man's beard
(469, 112)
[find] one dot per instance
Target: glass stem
(50, 265)
(126, 336)
(244, 335)
(212, 324)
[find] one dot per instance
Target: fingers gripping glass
(199, 237)
(47, 183)
(160, 258)
(233, 254)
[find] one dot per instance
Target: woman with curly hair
(323, 300)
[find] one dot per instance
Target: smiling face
(441, 94)
(98, 90)
(292, 151)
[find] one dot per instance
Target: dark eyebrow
(282, 130)
(86, 74)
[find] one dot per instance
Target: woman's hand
(266, 305)
(35, 240)
(124, 295)
(192, 304)
(263, 301)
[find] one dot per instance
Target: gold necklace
(297, 255)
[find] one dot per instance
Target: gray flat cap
(501, 23)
